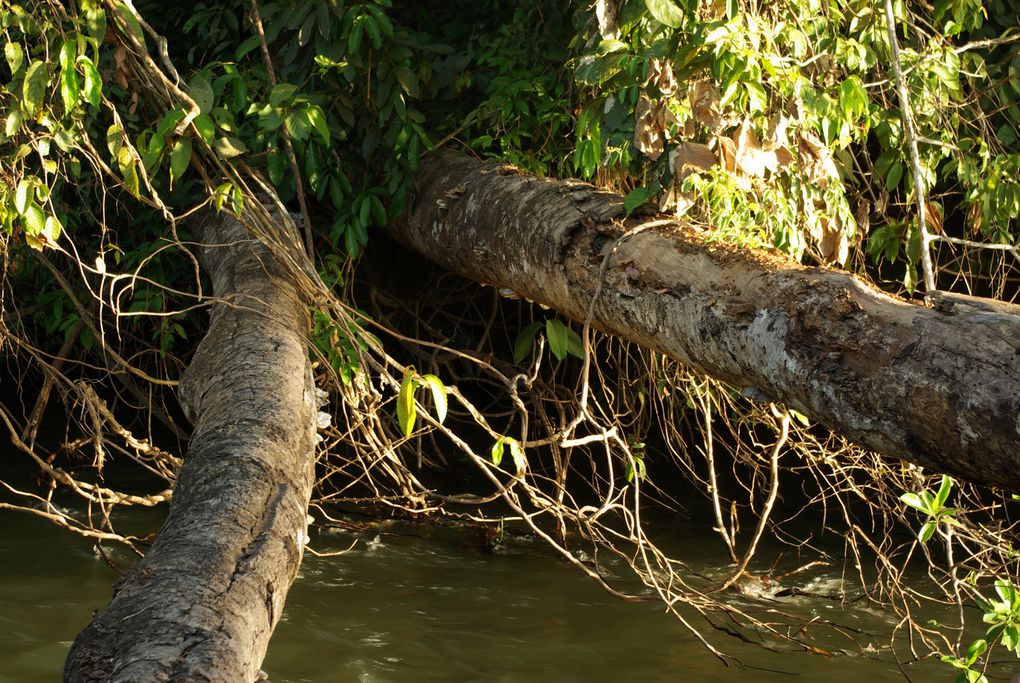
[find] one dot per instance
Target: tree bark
(203, 602)
(939, 387)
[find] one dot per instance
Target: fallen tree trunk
(939, 387)
(204, 601)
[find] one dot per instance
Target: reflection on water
(403, 608)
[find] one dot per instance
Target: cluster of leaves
(563, 341)
(45, 106)
(784, 121)
(341, 73)
(67, 119)
(1002, 613)
(514, 75)
(933, 506)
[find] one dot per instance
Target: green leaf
(246, 46)
(801, 418)
(1011, 638)
(276, 164)
(129, 22)
(169, 121)
(497, 451)
(23, 194)
(378, 210)
(976, 649)
(556, 332)
(665, 12)
(34, 88)
(407, 412)
(205, 127)
(637, 467)
(597, 69)
(354, 40)
(318, 121)
(1006, 591)
(237, 201)
(220, 195)
(635, 198)
(14, 120)
(201, 92)
(70, 90)
(228, 147)
(15, 56)
(927, 531)
(913, 500)
(93, 82)
(95, 21)
(853, 98)
(180, 157)
(282, 93)
(438, 395)
(126, 163)
(298, 125)
(943, 492)
(575, 347)
(408, 80)
(35, 219)
(517, 451)
(525, 340)
(895, 173)
(53, 228)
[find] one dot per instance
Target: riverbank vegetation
(875, 139)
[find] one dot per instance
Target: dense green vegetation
(768, 125)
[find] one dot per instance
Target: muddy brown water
(409, 604)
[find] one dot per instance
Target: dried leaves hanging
(651, 131)
(606, 12)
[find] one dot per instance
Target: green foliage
(407, 410)
(793, 103)
(1002, 613)
(340, 343)
(563, 341)
(636, 463)
(516, 452)
(934, 506)
(513, 76)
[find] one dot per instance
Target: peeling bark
(204, 601)
(939, 387)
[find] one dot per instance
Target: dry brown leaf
(120, 57)
(816, 160)
(833, 247)
(749, 158)
(933, 217)
(606, 12)
(753, 158)
(776, 136)
(711, 10)
(863, 217)
(727, 154)
(705, 100)
(691, 157)
(660, 74)
(651, 130)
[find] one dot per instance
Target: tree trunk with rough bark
(939, 387)
(204, 601)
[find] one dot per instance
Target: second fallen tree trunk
(939, 387)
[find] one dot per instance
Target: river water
(410, 603)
